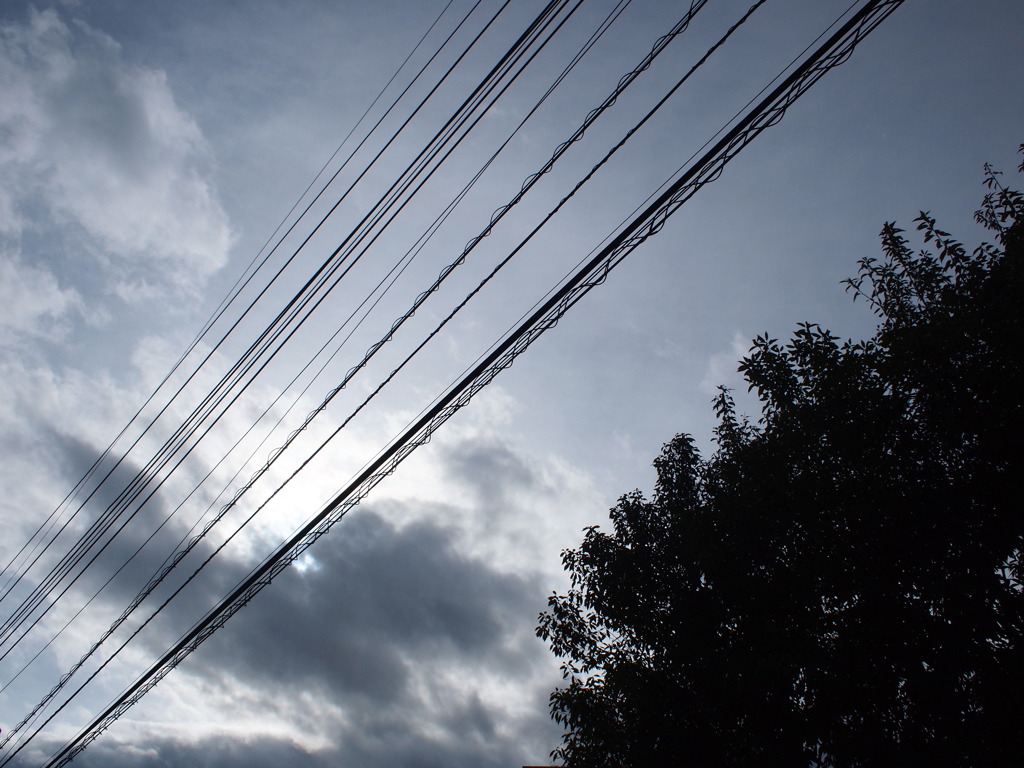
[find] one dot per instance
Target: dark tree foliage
(842, 583)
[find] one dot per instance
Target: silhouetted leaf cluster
(841, 583)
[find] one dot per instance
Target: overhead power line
(647, 223)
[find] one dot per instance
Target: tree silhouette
(841, 583)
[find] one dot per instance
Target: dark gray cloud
(379, 600)
(118, 506)
(384, 638)
(393, 628)
(491, 470)
(389, 630)
(92, 510)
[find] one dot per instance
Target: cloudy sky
(149, 151)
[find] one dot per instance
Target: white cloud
(99, 146)
(32, 303)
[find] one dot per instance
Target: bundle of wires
(352, 266)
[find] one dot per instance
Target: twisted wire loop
(624, 82)
(835, 51)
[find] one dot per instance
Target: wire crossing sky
(518, 154)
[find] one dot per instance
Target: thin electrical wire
(736, 116)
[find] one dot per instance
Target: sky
(148, 151)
